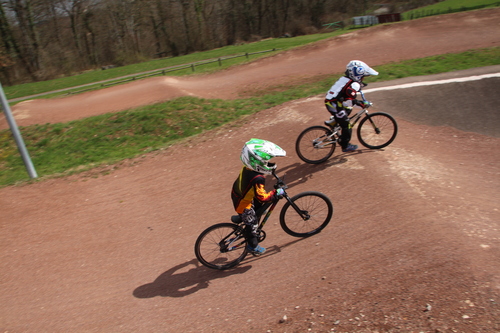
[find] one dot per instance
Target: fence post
(220, 62)
(192, 67)
(246, 54)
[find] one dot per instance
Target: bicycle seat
(236, 219)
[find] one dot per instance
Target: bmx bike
(223, 245)
(375, 131)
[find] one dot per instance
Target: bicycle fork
(377, 130)
(304, 214)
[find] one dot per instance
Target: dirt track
(414, 245)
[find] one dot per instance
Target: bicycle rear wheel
(221, 246)
(314, 212)
(377, 130)
(314, 145)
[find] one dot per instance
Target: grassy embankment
(80, 145)
(449, 6)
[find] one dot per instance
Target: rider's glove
(280, 193)
(364, 104)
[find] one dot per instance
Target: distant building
(365, 20)
(376, 19)
(385, 18)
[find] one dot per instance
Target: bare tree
(42, 39)
(27, 35)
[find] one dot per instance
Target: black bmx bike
(375, 131)
(223, 245)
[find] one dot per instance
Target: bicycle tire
(377, 130)
(310, 146)
(209, 246)
(318, 208)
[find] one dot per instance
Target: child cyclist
(248, 193)
(341, 97)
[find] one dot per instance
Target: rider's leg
(341, 116)
(249, 218)
(251, 224)
(332, 110)
(345, 136)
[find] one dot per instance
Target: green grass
(450, 6)
(66, 148)
(438, 64)
(97, 75)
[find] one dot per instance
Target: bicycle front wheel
(221, 246)
(315, 145)
(377, 130)
(308, 214)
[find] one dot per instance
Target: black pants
(342, 118)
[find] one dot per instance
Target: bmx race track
(413, 246)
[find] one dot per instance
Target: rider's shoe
(331, 122)
(256, 251)
(236, 219)
(349, 148)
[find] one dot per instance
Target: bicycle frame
(268, 214)
(333, 136)
(352, 120)
(268, 210)
(224, 245)
(239, 232)
(262, 222)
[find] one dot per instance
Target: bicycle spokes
(315, 144)
(304, 214)
(377, 130)
(322, 142)
(231, 242)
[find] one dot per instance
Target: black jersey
(249, 190)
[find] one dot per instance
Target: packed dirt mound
(413, 245)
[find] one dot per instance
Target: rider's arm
(350, 94)
(260, 191)
(351, 91)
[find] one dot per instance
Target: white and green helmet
(256, 154)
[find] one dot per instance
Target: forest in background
(46, 39)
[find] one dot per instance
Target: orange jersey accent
(249, 190)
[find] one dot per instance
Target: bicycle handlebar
(364, 99)
(280, 183)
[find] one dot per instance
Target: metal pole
(17, 135)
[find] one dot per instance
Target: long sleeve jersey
(249, 190)
(342, 93)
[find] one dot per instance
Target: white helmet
(256, 154)
(357, 69)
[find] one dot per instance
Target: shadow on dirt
(270, 251)
(189, 277)
(300, 172)
(179, 282)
